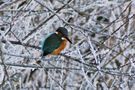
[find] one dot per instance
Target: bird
(55, 42)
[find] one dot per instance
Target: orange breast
(58, 50)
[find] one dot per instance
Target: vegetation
(100, 58)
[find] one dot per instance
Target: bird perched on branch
(55, 42)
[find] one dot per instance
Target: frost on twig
(101, 56)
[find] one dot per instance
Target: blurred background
(101, 57)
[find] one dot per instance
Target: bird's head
(63, 31)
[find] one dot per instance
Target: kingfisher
(55, 42)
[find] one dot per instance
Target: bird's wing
(51, 43)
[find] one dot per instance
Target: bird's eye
(63, 38)
(56, 32)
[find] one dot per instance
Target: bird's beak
(68, 39)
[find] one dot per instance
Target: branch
(46, 20)
(19, 43)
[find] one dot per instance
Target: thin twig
(44, 21)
